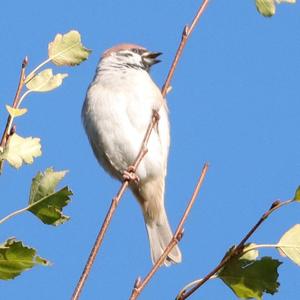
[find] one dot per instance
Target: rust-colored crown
(121, 47)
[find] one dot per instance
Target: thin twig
(110, 213)
(184, 38)
(140, 284)
(98, 241)
(183, 294)
(143, 150)
(7, 130)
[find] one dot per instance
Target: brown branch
(143, 150)
(184, 37)
(115, 202)
(8, 127)
(140, 284)
(235, 252)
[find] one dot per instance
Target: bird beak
(150, 58)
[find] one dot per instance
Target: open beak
(150, 58)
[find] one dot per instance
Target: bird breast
(116, 113)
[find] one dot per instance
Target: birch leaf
(45, 202)
(21, 150)
(16, 258)
(251, 278)
(67, 49)
(289, 244)
(45, 81)
(16, 112)
(266, 8)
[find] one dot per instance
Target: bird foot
(130, 175)
(156, 114)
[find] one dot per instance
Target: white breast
(116, 113)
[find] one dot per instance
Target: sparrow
(117, 110)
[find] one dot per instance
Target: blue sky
(234, 103)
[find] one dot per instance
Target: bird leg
(130, 175)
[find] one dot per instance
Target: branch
(184, 294)
(7, 130)
(143, 150)
(187, 31)
(140, 284)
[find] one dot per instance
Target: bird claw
(129, 175)
(156, 114)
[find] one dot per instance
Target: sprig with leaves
(242, 271)
(64, 50)
(45, 202)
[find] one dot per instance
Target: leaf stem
(191, 284)
(19, 211)
(254, 247)
(31, 75)
(23, 97)
(13, 214)
(184, 294)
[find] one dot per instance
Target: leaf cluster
(45, 201)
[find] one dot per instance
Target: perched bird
(116, 113)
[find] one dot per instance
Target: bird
(117, 110)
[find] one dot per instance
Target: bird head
(131, 56)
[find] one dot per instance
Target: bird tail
(151, 197)
(160, 235)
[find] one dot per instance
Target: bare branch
(140, 284)
(143, 150)
(184, 38)
(99, 241)
(184, 294)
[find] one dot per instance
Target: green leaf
(266, 7)
(21, 150)
(16, 112)
(289, 244)
(250, 279)
(67, 49)
(16, 258)
(44, 201)
(45, 81)
(297, 194)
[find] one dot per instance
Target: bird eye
(139, 51)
